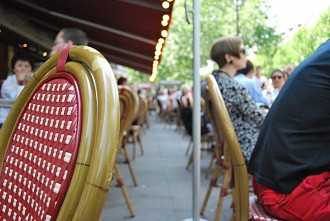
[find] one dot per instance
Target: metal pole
(196, 113)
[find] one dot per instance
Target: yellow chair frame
(231, 151)
(90, 183)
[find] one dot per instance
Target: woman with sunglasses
(246, 116)
(278, 81)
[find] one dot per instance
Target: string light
(165, 5)
(161, 41)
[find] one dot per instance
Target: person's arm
(258, 96)
(9, 88)
(248, 107)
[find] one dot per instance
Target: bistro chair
(58, 144)
(207, 138)
(128, 108)
(134, 134)
(245, 207)
(223, 166)
(129, 104)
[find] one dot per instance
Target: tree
(218, 18)
(299, 47)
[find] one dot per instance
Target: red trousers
(307, 202)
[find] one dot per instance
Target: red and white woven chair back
(42, 152)
(58, 145)
(257, 212)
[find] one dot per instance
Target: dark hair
(77, 36)
(121, 80)
(277, 70)
(223, 46)
(247, 69)
(20, 56)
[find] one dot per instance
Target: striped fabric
(257, 212)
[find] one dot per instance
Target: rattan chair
(231, 151)
(128, 108)
(58, 144)
(223, 166)
(207, 140)
(129, 104)
(134, 135)
(245, 206)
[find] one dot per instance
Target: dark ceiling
(126, 32)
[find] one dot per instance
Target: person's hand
(22, 78)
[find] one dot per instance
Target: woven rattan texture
(257, 212)
(38, 162)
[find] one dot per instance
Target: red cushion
(41, 155)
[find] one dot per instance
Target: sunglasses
(242, 50)
(278, 77)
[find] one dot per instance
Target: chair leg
(223, 192)
(209, 168)
(134, 145)
(224, 187)
(190, 160)
(140, 142)
(120, 183)
(129, 166)
(213, 182)
(189, 146)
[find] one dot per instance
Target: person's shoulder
(10, 79)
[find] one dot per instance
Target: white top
(259, 81)
(10, 90)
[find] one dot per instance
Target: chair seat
(257, 212)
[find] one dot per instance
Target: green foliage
(298, 48)
(219, 18)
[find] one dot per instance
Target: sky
(291, 13)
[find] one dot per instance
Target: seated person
(278, 80)
(244, 77)
(122, 81)
(22, 66)
(245, 114)
(291, 159)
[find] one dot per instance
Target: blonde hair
(225, 45)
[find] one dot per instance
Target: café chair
(58, 144)
(128, 108)
(243, 208)
(134, 135)
(207, 136)
(129, 104)
(223, 166)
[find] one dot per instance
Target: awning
(131, 33)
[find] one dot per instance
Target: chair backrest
(211, 115)
(143, 110)
(58, 144)
(129, 104)
(232, 150)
